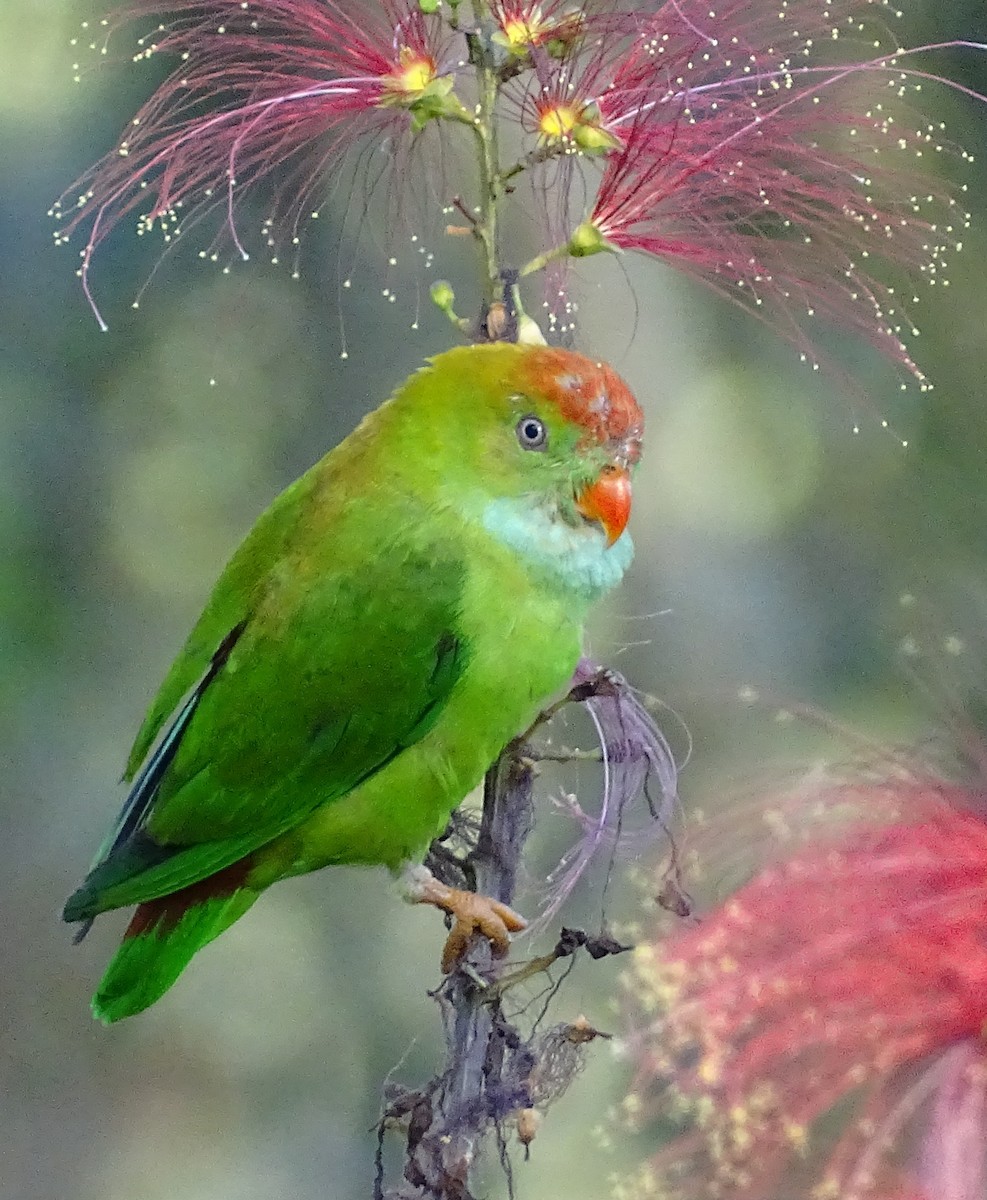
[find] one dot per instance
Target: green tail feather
(162, 938)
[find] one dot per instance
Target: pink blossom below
(844, 988)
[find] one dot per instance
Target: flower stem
(541, 261)
(488, 151)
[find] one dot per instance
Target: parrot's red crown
(590, 394)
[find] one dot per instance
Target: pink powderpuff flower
(290, 85)
(522, 25)
(823, 1028)
(767, 150)
(572, 57)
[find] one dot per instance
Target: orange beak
(608, 501)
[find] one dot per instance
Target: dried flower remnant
(282, 87)
(844, 987)
(639, 803)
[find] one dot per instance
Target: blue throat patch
(577, 557)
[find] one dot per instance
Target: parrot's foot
(471, 914)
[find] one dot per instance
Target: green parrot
(396, 616)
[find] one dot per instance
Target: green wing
(237, 594)
(321, 671)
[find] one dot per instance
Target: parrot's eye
(531, 433)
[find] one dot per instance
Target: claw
(471, 913)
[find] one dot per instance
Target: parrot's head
(548, 443)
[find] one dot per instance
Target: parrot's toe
(471, 914)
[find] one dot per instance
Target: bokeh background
(774, 548)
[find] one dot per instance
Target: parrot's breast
(521, 644)
(576, 558)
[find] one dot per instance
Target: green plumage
(365, 655)
(147, 964)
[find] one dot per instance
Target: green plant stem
(542, 260)
(488, 157)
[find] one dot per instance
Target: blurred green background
(773, 548)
